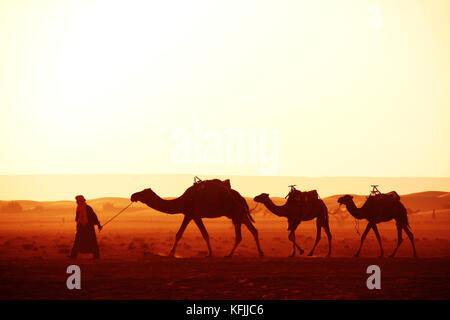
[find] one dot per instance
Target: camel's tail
(243, 203)
(406, 219)
(404, 215)
(327, 221)
(249, 215)
(325, 211)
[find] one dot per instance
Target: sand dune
(34, 245)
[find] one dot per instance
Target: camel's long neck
(354, 210)
(167, 206)
(277, 210)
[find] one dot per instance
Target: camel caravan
(215, 198)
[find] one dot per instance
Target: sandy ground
(34, 249)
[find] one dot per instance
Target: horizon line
(250, 197)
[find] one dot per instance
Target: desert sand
(36, 237)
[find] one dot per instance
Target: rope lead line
(117, 214)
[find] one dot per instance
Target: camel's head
(140, 196)
(261, 198)
(345, 199)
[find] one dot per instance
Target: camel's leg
(238, 239)
(377, 234)
(300, 250)
(411, 238)
(291, 237)
(319, 229)
(254, 232)
(399, 240)
(326, 227)
(201, 227)
(363, 237)
(183, 226)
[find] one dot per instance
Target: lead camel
(205, 199)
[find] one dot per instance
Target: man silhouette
(85, 238)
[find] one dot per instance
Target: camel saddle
(390, 196)
(304, 197)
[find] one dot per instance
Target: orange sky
(290, 88)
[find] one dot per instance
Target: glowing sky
(351, 88)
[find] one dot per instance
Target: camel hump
(227, 183)
(394, 195)
(213, 183)
(311, 195)
(212, 191)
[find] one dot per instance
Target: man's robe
(85, 238)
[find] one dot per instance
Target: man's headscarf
(81, 210)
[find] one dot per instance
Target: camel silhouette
(377, 210)
(205, 199)
(295, 211)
